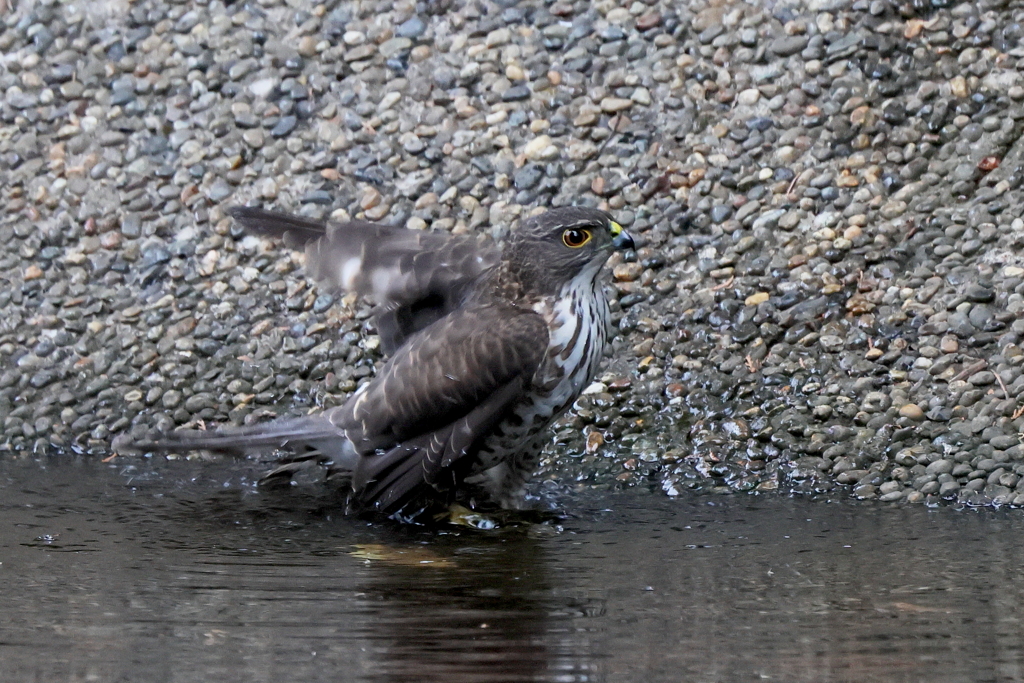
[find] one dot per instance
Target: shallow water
(181, 571)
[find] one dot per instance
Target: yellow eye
(576, 237)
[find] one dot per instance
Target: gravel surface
(827, 289)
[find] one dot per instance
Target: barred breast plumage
(577, 320)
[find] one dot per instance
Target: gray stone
(413, 27)
(788, 45)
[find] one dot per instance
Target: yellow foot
(463, 516)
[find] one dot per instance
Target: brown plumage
(488, 346)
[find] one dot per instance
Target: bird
(488, 344)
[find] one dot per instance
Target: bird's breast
(578, 330)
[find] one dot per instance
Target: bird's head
(561, 245)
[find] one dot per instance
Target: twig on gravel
(1006, 394)
(752, 365)
(792, 183)
(970, 370)
(613, 125)
(723, 285)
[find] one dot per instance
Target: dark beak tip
(624, 241)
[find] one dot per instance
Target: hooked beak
(622, 239)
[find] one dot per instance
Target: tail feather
(309, 436)
(388, 482)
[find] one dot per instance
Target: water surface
(182, 571)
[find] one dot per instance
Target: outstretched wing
(436, 399)
(415, 277)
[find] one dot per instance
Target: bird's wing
(410, 430)
(437, 398)
(295, 231)
(415, 277)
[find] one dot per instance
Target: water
(184, 572)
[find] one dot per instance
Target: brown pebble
(180, 328)
(858, 305)
(627, 272)
(426, 199)
(378, 212)
(613, 105)
(188, 192)
(370, 199)
(33, 272)
(912, 411)
(949, 344)
(756, 298)
(110, 240)
(958, 85)
(860, 116)
(989, 163)
(594, 442)
(307, 46)
(674, 389)
(620, 383)
(847, 179)
(648, 21)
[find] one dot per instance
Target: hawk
(488, 345)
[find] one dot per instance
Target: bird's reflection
(484, 611)
(444, 604)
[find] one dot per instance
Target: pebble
(263, 87)
(283, 127)
(749, 97)
(615, 104)
(540, 148)
(414, 27)
(912, 412)
(720, 212)
(788, 45)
